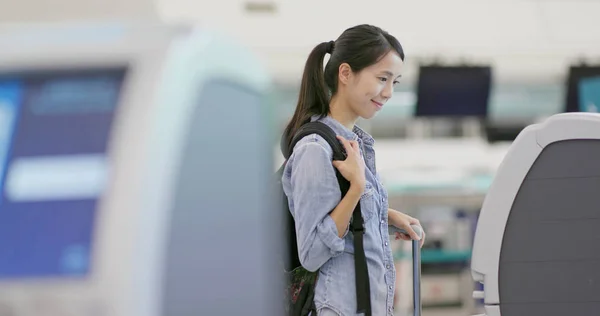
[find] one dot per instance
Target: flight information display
(54, 136)
(453, 91)
(580, 82)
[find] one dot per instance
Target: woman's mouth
(377, 104)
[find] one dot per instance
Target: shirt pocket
(368, 203)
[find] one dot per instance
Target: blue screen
(577, 75)
(589, 94)
(54, 137)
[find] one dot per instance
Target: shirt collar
(339, 129)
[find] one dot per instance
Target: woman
(357, 81)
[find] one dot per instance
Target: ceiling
(531, 40)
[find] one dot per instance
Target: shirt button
(386, 243)
(388, 267)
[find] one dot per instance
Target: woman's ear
(344, 74)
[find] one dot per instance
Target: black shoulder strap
(363, 291)
(324, 131)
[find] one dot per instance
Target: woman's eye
(383, 79)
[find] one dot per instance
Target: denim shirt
(312, 189)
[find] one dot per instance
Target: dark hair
(359, 46)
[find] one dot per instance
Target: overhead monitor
(453, 91)
(581, 85)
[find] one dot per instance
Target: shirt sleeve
(314, 192)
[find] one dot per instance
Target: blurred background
(476, 73)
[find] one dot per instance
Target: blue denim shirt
(312, 189)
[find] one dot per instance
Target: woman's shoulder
(312, 143)
(313, 152)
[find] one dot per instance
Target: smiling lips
(377, 104)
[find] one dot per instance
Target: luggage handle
(416, 256)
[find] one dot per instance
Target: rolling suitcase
(416, 263)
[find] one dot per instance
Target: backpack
(299, 291)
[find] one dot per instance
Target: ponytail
(314, 94)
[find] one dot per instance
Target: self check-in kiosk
(536, 246)
(135, 162)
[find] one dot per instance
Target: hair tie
(330, 46)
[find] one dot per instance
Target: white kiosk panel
(536, 245)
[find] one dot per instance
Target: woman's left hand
(404, 221)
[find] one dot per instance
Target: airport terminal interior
(139, 140)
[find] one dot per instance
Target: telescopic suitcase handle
(416, 256)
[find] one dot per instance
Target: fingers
(403, 236)
(413, 235)
(413, 221)
(349, 145)
(345, 143)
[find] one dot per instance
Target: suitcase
(416, 263)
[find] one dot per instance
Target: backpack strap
(363, 291)
(323, 130)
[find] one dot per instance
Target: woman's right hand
(353, 168)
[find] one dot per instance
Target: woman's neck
(340, 111)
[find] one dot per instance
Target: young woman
(357, 81)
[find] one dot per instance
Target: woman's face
(368, 90)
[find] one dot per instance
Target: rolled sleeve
(313, 192)
(329, 235)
